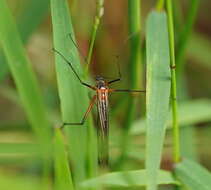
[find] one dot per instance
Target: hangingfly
(102, 90)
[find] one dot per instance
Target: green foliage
(27, 22)
(24, 78)
(129, 179)
(135, 70)
(199, 47)
(18, 182)
(73, 95)
(63, 179)
(185, 34)
(193, 175)
(30, 158)
(158, 92)
(26, 82)
(189, 113)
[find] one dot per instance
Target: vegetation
(157, 140)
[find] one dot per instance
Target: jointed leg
(120, 75)
(75, 44)
(70, 64)
(85, 115)
(126, 90)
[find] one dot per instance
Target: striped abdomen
(103, 129)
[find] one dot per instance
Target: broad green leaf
(193, 175)
(22, 73)
(135, 178)
(158, 92)
(190, 112)
(73, 95)
(63, 179)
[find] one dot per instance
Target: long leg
(92, 102)
(70, 64)
(74, 43)
(120, 75)
(126, 90)
(121, 51)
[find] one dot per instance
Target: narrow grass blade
(130, 179)
(73, 95)
(180, 62)
(176, 132)
(158, 92)
(34, 12)
(22, 73)
(185, 35)
(135, 71)
(190, 113)
(193, 175)
(63, 179)
(26, 82)
(98, 16)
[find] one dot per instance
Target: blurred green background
(17, 142)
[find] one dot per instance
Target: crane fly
(101, 97)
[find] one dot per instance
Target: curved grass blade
(73, 95)
(193, 175)
(26, 83)
(34, 12)
(23, 75)
(189, 113)
(158, 92)
(63, 179)
(137, 178)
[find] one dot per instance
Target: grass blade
(135, 71)
(73, 95)
(98, 16)
(190, 113)
(185, 35)
(25, 82)
(176, 134)
(130, 179)
(158, 92)
(34, 12)
(193, 175)
(63, 179)
(22, 73)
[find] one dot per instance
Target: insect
(102, 90)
